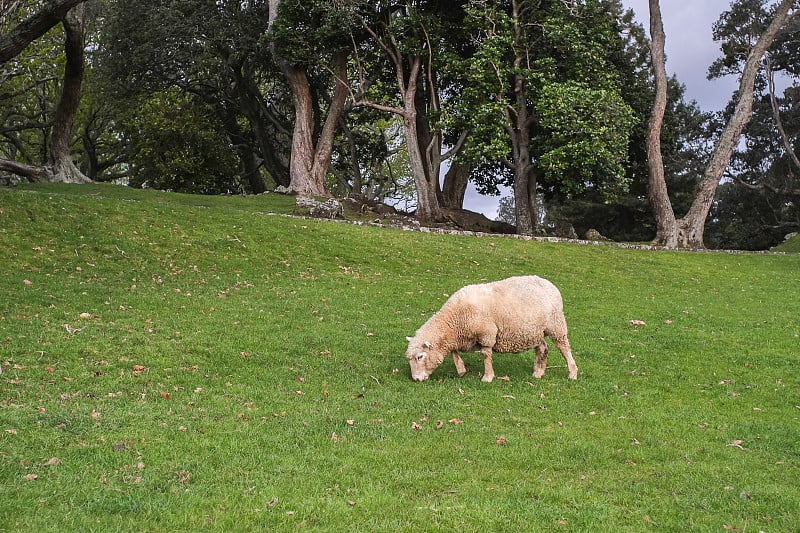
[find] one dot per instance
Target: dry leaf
(272, 502)
(351, 503)
(52, 461)
(96, 414)
(455, 421)
(29, 477)
(334, 437)
(27, 282)
(504, 378)
(85, 315)
(439, 424)
(501, 441)
(737, 443)
(637, 323)
(414, 425)
(350, 422)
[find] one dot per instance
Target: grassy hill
(183, 363)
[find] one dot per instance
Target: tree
(58, 165)
(544, 99)
(33, 27)
(214, 51)
(175, 145)
(415, 40)
(323, 43)
(688, 230)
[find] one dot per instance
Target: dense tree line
(553, 100)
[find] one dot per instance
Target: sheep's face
(423, 358)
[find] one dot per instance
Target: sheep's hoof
(573, 376)
(462, 373)
(487, 379)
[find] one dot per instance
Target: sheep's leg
(562, 344)
(460, 368)
(488, 371)
(541, 360)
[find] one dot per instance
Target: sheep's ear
(409, 339)
(427, 344)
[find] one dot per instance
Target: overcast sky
(689, 47)
(690, 51)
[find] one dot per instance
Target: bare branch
(776, 114)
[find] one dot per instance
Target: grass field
(183, 363)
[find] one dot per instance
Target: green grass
(183, 363)
(791, 245)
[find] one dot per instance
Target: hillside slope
(173, 363)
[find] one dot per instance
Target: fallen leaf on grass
(439, 424)
(351, 503)
(414, 425)
(637, 323)
(504, 378)
(29, 477)
(52, 461)
(501, 441)
(737, 443)
(455, 421)
(273, 502)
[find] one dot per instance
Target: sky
(690, 50)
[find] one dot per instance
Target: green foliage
(581, 123)
(175, 144)
(177, 363)
(305, 31)
(587, 138)
(30, 86)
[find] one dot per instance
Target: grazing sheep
(507, 316)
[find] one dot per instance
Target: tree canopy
(411, 101)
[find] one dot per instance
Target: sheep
(507, 316)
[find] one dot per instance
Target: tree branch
(34, 27)
(776, 114)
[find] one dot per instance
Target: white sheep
(507, 316)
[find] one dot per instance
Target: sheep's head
(423, 357)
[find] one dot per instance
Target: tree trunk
(666, 232)
(455, 185)
(310, 161)
(59, 166)
(692, 225)
(62, 167)
(524, 177)
(428, 208)
(34, 27)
